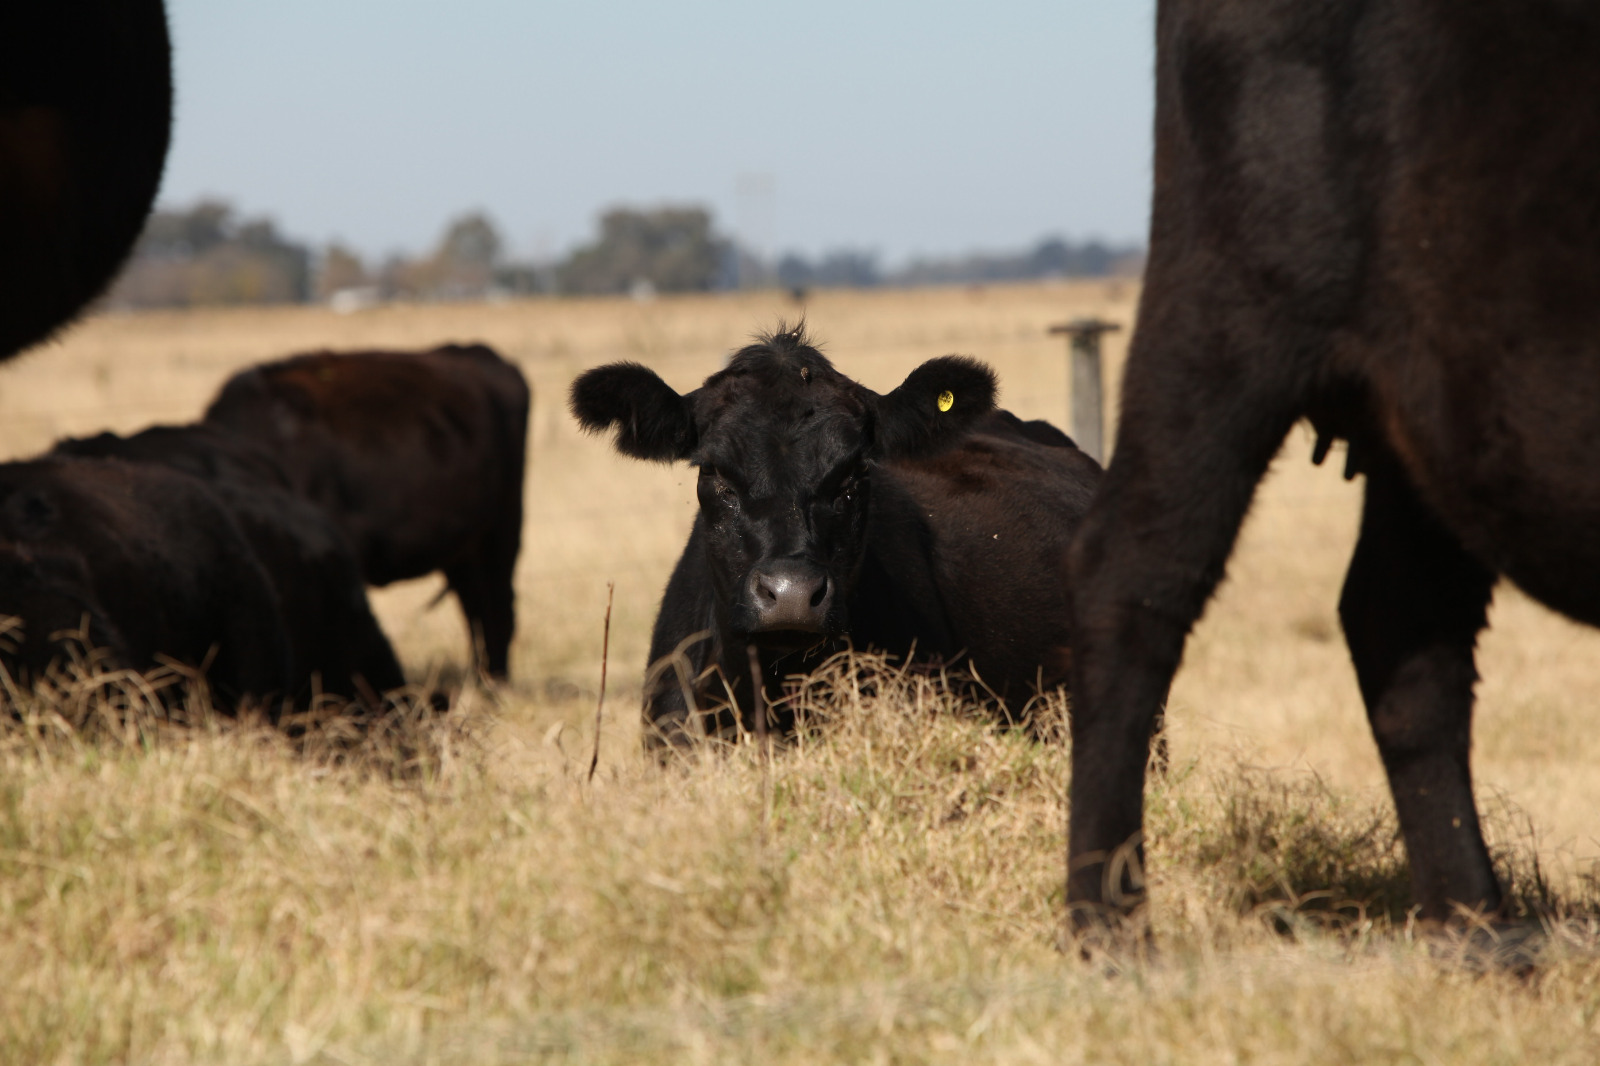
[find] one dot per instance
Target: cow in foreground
(1383, 217)
(417, 456)
(85, 116)
(921, 520)
(336, 646)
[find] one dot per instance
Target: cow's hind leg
(483, 585)
(1412, 607)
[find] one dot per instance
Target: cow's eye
(846, 495)
(713, 483)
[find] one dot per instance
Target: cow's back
(410, 452)
(966, 553)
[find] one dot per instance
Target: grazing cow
(922, 519)
(417, 456)
(155, 562)
(47, 601)
(1383, 217)
(335, 643)
(85, 113)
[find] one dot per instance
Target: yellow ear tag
(947, 400)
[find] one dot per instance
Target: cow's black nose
(789, 594)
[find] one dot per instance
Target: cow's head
(47, 604)
(785, 445)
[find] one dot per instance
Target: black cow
(417, 456)
(336, 645)
(85, 113)
(48, 603)
(1385, 217)
(151, 559)
(919, 519)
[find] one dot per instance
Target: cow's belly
(1509, 456)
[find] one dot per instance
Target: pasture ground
(456, 891)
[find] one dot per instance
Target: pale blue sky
(930, 127)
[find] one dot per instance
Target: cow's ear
(653, 421)
(938, 403)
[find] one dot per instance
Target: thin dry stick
(759, 693)
(605, 654)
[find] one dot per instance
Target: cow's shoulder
(1002, 460)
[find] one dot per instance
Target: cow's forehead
(781, 420)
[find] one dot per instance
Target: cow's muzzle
(789, 594)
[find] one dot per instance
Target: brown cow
(1385, 217)
(417, 456)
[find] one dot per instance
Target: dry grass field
(888, 890)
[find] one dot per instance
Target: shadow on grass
(1296, 853)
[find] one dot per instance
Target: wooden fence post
(1087, 391)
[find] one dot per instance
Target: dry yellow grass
(889, 891)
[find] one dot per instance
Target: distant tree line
(207, 254)
(1050, 258)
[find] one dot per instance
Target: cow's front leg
(1197, 434)
(1412, 607)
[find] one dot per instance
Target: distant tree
(402, 278)
(794, 271)
(340, 269)
(202, 255)
(465, 259)
(671, 248)
(464, 265)
(185, 234)
(849, 269)
(260, 240)
(470, 240)
(1050, 258)
(523, 279)
(842, 268)
(1055, 256)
